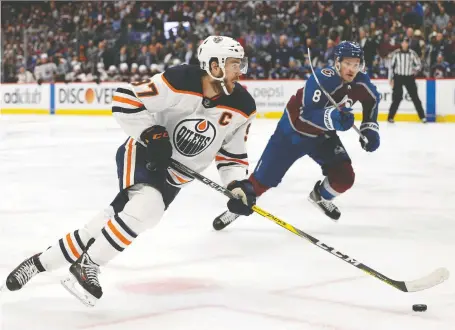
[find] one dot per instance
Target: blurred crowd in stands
(131, 40)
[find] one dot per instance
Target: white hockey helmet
(221, 48)
(142, 68)
(123, 67)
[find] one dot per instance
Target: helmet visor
(241, 67)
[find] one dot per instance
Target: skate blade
(71, 284)
(320, 209)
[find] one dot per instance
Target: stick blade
(437, 277)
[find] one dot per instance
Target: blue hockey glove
(338, 120)
(247, 197)
(371, 131)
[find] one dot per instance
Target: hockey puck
(419, 308)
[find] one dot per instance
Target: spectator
(279, 71)
(295, 70)
(122, 56)
(369, 49)
(411, 18)
(441, 69)
(328, 55)
(25, 76)
(145, 58)
(87, 33)
(417, 43)
(255, 70)
(63, 68)
(91, 52)
(283, 52)
(442, 19)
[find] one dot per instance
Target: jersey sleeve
(370, 100)
(135, 106)
(314, 99)
(232, 159)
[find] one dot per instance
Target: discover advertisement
(80, 98)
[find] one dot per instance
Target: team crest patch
(217, 39)
(193, 136)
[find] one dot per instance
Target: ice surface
(57, 172)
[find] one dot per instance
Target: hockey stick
(436, 277)
(363, 137)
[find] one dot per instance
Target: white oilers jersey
(201, 129)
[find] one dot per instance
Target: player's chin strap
(436, 277)
(338, 66)
(221, 80)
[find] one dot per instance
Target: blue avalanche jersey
(307, 107)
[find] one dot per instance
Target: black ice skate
(82, 282)
(224, 220)
(24, 273)
(324, 205)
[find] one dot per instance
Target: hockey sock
(116, 236)
(69, 248)
(326, 191)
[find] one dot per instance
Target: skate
(324, 205)
(82, 282)
(224, 219)
(24, 273)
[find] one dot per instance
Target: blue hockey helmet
(349, 49)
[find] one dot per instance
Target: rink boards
(437, 96)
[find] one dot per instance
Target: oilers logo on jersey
(192, 136)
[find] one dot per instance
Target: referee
(404, 66)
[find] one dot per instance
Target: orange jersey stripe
(127, 101)
(119, 235)
(178, 91)
(71, 245)
(129, 160)
(219, 158)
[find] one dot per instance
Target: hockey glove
(247, 197)
(338, 120)
(371, 131)
(159, 148)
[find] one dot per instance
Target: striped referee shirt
(404, 63)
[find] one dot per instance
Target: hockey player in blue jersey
(309, 126)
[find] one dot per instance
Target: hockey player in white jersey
(194, 114)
